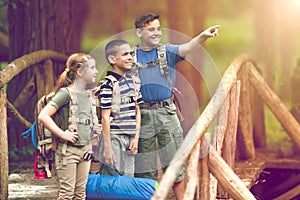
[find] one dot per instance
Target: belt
(156, 104)
(62, 142)
(85, 155)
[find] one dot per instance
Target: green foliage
(277, 138)
(3, 16)
(228, 8)
(25, 153)
(236, 36)
(2, 65)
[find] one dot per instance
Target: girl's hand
(70, 136)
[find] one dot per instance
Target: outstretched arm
(188, 47)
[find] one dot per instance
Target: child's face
(123, 59)
(89, 71)
(150, 34)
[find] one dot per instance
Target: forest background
(266, 30)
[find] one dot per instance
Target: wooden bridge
(240, 124)
(227, 167)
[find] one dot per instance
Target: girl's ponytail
(68, 76)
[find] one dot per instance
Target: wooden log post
(258, 119)
(3, 147)
(203, 192)
(295, 96)
(227, 178)
(220, 129)
(192, 173)
(221, 126)
(289, 194)
(245, 141)
(229, 144)
(288, 122)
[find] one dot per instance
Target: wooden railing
(11, 70)
(231, 104)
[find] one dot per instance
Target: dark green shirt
(61, 102)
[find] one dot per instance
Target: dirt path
(29, 188)
(36, 189)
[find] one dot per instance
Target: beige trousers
(72, 173)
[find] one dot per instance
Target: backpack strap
(94, 110)
(72, 124)
(161, 60)
(163, 63)
(137, 85)
(116, 96)
(31, 132)
(136, 66)
(73, 110)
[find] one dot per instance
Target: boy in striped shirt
(120, 98)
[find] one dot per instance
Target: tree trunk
(188, 21)
(36, 25)
(295, 96)
(118, 16)
(3, 148)
(287, 46)
(265, 27)
(245, 143)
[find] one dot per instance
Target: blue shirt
(155, 87)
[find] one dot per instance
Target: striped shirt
(126, 122)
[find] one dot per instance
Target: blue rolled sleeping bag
(119, 187)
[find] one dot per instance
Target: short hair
(144, 19)
(111, 47)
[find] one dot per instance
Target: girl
(72, 156)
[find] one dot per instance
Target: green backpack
(46, 141)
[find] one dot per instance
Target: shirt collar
(117, 76)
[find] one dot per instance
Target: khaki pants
(72, 172)
(161, 134)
